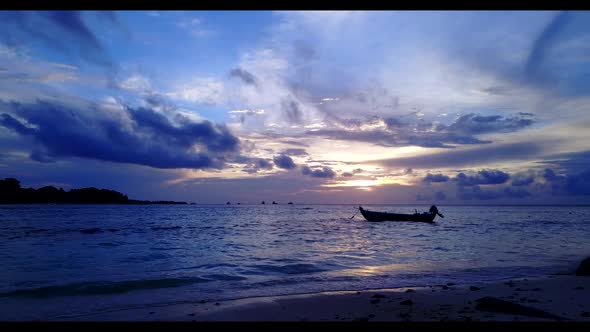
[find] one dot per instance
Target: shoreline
(561, 295)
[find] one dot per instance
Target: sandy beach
(565, 296)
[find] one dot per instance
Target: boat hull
(383, 216)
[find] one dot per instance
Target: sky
(354, 107)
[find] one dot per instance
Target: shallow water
(78, 259)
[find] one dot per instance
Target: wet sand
(566, 296)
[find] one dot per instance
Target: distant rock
(473, 288)
(409, 290)
(378, 296)
(406, 302)
(584, 268)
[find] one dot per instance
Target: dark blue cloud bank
(436, 178)
(284, 161)
(490, 184)
(325, 172)
(462, 131)
(131, 135)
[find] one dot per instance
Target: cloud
(482, 177)
(11, 123)
(516, 193)
(244, 75)
(473, 124)
(64, 31)
(390, 139)
(439, 195)
(477, 193)
(292, 110)
(136, 82)
(137, 136)
(296, 143)
(436, 178)
(391, 131)
(579, 184)
(325, 172)
(204, 91)
(468, 157)
(543, 43)
(295, 152)
(284, 162)
(522, 179)
(256, 164)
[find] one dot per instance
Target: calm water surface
(61, 260)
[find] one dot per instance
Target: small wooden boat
(386, 216)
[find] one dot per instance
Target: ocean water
(69, 260)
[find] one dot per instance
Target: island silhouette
(11, 192)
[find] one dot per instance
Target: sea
(68, 261)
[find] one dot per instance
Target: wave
(91, 230)
(157, 228)
(290, 268)
(102, 287)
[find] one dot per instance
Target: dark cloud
(573, 162)
(295, 152)
(244, 75)
(550, 175)
(425, 134)
(11, 123)
(395, 139)
(291, 109)
(473, 124)
(471, 157)
(522, 179)
(64, 31)
(357, 170)
(482, 177)
(578, 184)
(436, 178)
(408, 171)
(347, 174)
(325, 172)
(137, 136)
(284, 162)
(255, 164)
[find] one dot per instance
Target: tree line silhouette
(11, 192)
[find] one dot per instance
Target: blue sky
(312, 106)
